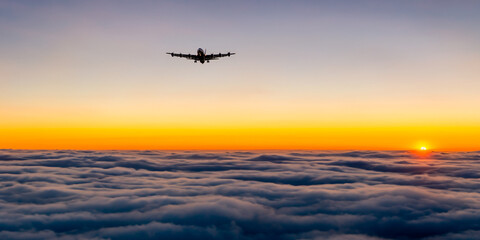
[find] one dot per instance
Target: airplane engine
(228, 54)
(171, 54)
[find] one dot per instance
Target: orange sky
(331, 138)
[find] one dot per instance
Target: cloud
(238, 195)
(382, 167)
(273, 158)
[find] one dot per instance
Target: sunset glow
(323, 78)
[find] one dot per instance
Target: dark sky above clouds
(238, 195)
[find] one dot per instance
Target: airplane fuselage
(201, 55)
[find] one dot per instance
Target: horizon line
(241, 149)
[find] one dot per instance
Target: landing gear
(195, 61)
(208, 61)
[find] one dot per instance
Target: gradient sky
(307, 75)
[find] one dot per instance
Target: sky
(380, 75)
(244, 195)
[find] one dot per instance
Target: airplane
(201, 56)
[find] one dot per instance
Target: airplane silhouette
(201, 56)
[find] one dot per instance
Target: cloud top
(238, 195)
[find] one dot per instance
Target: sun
(423, 148)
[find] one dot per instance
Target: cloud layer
(238, 195)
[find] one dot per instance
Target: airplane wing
(217, 56)
(187, 56)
